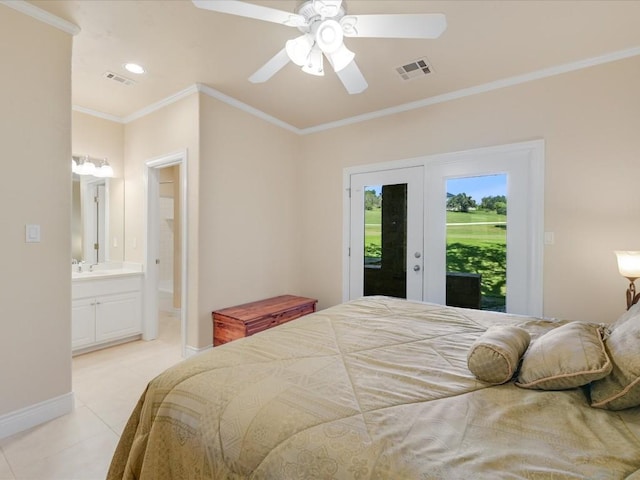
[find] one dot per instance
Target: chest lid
(250, 312)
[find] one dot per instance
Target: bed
(376, 388)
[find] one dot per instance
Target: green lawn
(468, 234)
(477, 216)
(373, 227)
(470, 248)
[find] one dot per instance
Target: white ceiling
(181, 45)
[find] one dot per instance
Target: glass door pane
(477, 242)
(385, 240)
(386, 233)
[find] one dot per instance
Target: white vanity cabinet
(105, 309)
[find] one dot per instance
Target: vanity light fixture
(85, 165)
(629, 267)
(134, 68)
(104, 170)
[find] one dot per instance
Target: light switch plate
(32, 233)
(549, 238)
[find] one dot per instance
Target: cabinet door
(117, 316)
(83, 323)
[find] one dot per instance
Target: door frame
(532, 151)
(151, 231)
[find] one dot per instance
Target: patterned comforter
(377, 388)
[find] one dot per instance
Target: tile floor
(107, 385)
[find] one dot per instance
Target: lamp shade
(104, 170)
(298, 49)
(329, 36)
(629, 263)
(86, 166)
(341, 58)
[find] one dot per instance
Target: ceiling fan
(324, 24)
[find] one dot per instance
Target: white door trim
(151, 228)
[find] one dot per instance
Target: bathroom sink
(103, 273)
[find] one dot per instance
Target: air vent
(418, 68)
(118, 78)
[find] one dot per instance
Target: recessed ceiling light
(134, 68)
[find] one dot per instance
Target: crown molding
(96, 113)
(161, 104)
(212, 92)
(42, 15)
(486, 87)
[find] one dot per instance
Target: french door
(405, 239)
(386, 240)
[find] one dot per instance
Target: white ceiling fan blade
(269, 69)
(251, 10)
(352, 79)
(401, 25)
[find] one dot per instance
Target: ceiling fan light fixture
(327, 8)
(329, 36)
(314, 65)
(298, 49)
(341, 58)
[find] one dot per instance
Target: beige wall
(35, 188)
(243, 215)
(589, 120)
(249, 211)
(166, 131)
(100, 138)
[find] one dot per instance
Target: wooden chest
(244, 320)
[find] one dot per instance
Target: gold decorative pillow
(621, 389)
(566, 357)
(494, 356)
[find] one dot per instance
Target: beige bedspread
(377, 388)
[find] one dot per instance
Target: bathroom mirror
(97, 219)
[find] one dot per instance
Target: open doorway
(165, 306)
(169, 255)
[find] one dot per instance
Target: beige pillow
(621, 389)
(494, 356)
(632, 314)
(569, 356)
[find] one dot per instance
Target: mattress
(376, 388)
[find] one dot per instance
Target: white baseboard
(190, 351)
(28, 417)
